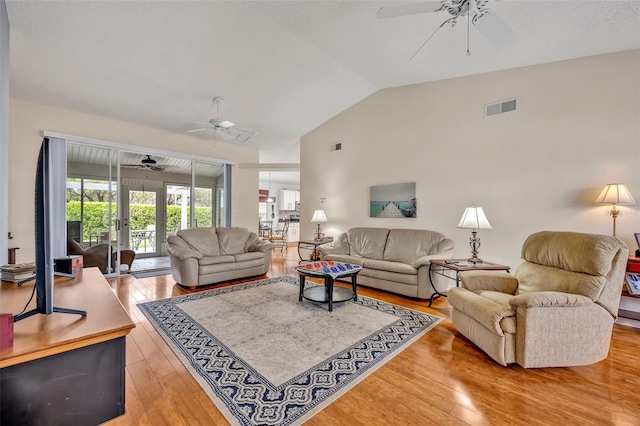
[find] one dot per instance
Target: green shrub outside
(96, 216)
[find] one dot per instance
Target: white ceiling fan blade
(495, 29)
(198, 130)
(408, 9)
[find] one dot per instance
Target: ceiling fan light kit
(226, 128)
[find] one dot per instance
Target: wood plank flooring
(441, 379)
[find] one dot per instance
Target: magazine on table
(633, 283)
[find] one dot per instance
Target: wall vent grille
(335, 146)
(500, 107)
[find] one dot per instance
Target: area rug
(264, 358)
(154, 273)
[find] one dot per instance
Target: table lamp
(615, 193)
(318, 217)
(474, 218)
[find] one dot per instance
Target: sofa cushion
(407, 245)
(379, 274)
(241, 257)
(204, 240)
(367, 242)
(212, 260)
(345, 258)
(233, 240)
(400, 268)
(533, 277)
(229, 266)
(588, 253)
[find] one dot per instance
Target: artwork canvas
(393, 201)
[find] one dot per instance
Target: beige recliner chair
(559, 308)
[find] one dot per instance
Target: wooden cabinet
(287, 199)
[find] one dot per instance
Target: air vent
(335, 146)
(500, 107)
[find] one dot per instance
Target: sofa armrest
(183, 253)
(489, 280)
(426, 260)
(546, 299)
(443, 250)
(261, 245)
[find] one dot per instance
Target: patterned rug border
(299, 414)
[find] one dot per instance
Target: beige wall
(539, 168)
(28, 121)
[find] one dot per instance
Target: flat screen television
(44, 260)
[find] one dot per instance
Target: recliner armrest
(549, 299)
(489, 280)
(183, 253)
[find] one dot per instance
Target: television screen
(44, 259)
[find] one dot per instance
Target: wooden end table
(443, 266)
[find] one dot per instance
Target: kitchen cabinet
(293, 235)
(287, 199)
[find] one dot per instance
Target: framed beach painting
(393, 201)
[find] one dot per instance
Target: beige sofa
(559, 308)
(395, 260)
(201, 256)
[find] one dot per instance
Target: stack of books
(17, 272)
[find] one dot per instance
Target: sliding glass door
(91, 203)
(133, 200)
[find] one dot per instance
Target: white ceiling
(283, 67)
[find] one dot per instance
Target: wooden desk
(65, 369)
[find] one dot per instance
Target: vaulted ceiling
(283, 67)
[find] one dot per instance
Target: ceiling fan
(148, 163)
(225, 128)
(476, 12)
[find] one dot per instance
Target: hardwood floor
(440, 379)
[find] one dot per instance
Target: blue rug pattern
(250, 399)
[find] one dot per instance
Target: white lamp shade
(319, 216)
(474, 218)
(615, 193)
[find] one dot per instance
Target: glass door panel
(91, 200)
(140, 218)
(178, 208)
(208, 194)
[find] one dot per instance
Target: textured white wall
(540, 168)
(28, 120)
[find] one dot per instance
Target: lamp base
(475, 260)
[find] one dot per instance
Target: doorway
(140, 219)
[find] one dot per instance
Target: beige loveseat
(201, 256)
(559, 308)
(395, 260)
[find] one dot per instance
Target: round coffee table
(329, 271)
